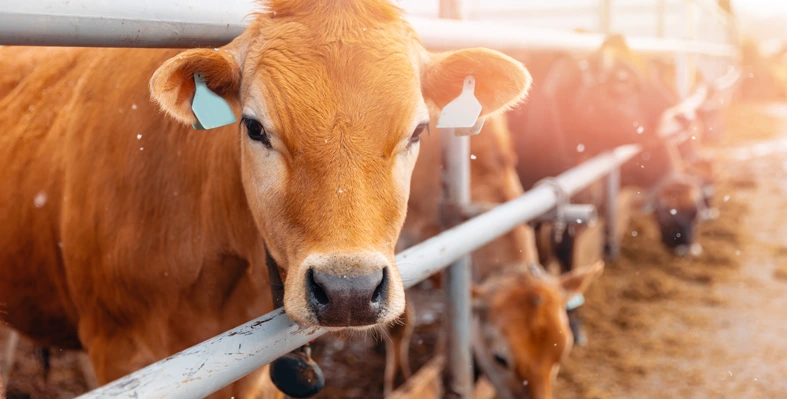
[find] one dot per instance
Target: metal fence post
(458, 372)
(661, 17)
(613, 188)
(605, 16)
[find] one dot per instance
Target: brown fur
(523, 320)
(138, 248)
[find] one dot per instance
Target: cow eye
(256, 131)
(500, 360)
(416, 136)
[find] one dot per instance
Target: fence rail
(151, 23)
(207, 367)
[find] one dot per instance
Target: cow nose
(345, 301)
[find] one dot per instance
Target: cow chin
(340, 291)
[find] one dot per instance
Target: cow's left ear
(172, 85)
(578, 280)
(501, 81)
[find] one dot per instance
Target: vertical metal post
(451, 9)
(605, 16)
(613, 188)
(661, 17)
(458, 373)
(685, 63)
(458, 370)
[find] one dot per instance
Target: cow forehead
(362, 82)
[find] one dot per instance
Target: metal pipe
(605, 16)
(661, 17)
(458, 372)
(613, 188)
(168, 24)
(450, 9)
(207, 367)
(574, 214)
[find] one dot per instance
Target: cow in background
(582, 106)
(506, 270)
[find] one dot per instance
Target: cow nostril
(377, 296)
(318, 294)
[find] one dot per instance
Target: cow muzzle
(355, 290)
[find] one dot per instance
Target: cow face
(522, 331)
(677, 211)
(333, 97)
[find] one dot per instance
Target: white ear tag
(462, 113)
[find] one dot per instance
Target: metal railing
(149, 23)
(219, 361)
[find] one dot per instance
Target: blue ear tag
(211, 110)
(575, 302)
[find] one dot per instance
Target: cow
(580, 107)
(131, 235)
(522, 332)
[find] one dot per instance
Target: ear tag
(211, 110)
(575, 302)
(462, 113)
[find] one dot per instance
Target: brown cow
(522, 332)
(579, 107)
(130, 234)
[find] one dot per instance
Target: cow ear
(477, 293)
(578, 280)
(172, 86)
(501, 81)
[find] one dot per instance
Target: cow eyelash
(416, 136)
(256, 131)
(500, 360)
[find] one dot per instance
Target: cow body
(112, 252)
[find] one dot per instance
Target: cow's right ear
(172, 86)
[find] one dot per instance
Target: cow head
(333, 97)
(678, 208)
(522, 331)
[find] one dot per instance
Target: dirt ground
(708, 327)
(658, 326)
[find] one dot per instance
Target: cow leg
(397, 348)
(10, 352)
